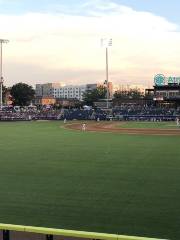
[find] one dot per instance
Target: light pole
(107, 77)
(107, 43)
(1, 72)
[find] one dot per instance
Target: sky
(60, 41)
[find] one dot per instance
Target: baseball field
(98, 181)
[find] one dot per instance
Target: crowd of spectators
(138, 112)
(52, 114)
(123, 112)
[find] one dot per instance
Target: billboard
(162, 80)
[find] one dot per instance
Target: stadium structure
(166, 91)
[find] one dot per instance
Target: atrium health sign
(161, 80)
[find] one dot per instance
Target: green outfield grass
(158, 125)
(102, 182)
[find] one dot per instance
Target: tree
(91, 96)
(22, 94)
(132, 94)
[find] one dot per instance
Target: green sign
(161, 80)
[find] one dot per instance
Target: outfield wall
(19, 232)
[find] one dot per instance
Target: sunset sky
(59, 41)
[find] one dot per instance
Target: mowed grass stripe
(149, 125)
(112, 183)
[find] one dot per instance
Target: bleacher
(124, 112)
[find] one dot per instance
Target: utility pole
(1, 71)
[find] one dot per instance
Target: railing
(51, 233)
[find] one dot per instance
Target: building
(166, 90)
(69, 92)
(167, 95)
(57, 91)
(46, 90)
(92, 86)
(7, 98)
(110, 90)
(39, 100)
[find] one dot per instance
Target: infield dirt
(113, 128)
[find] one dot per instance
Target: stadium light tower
(107, 42)
(1, 71)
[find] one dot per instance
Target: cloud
(61, 43)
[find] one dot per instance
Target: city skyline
(60, 42)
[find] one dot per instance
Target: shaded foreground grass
(100, 182)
